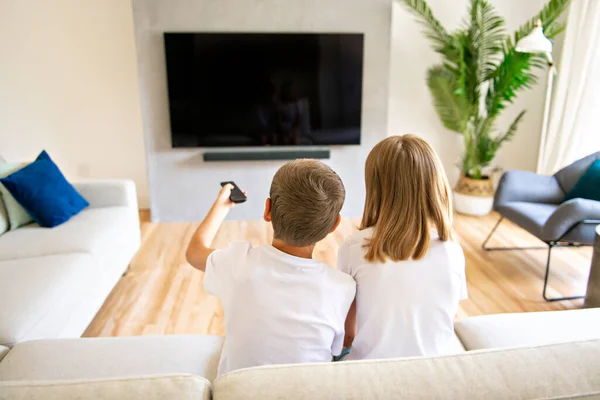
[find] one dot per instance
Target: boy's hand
(199, 248)
(223, 197)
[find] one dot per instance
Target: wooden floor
(162, 294)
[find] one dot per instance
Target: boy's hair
(407, 194)
(306, 199)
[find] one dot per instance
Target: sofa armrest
(108, 193)
(527, 187)
(568, 215)
(3, 352)
(528, 329)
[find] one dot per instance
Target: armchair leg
(484, 244)
(550, 246)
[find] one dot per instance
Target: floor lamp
(536, 42)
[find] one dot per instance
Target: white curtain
(574, 124)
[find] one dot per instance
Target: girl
(409, 272)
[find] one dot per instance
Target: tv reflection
(279, 115)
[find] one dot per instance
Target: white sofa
(546, 355)
(53, 281)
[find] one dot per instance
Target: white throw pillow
(3, 216)
(17, 216)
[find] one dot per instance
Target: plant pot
(474, 196)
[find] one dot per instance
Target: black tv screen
(264, 89)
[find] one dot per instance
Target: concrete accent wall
(182, 185)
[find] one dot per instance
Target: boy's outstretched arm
(199, 248)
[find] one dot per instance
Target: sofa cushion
(165, 387)
(92, 358)
(4, 224)
(43, 191)
(16, 214)
(549, 372)
(38, 294)
(98, 231)
(3, 352)
(588, 186)
(530, 216)
(569, 175)
(528, 329)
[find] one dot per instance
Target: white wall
(410, 105)
(69, 84)
(182, 186)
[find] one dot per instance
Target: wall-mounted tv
(264, 89)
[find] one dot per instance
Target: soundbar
(268, 155)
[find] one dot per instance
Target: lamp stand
(547, 104)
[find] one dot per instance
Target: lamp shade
(535, 42)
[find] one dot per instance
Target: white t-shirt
(404, 308)
(278, 308)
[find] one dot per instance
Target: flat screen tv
(264, 89)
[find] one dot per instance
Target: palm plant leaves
(486, 150)
(512, 129)
(487, 145)
(549, 16)
(555, 29)
(514, 73)
(433, 28)
(487, 32)
(444, 43)
(459, 64)
(470, 70)
(481, 65)
(482, 145)
(453, 110)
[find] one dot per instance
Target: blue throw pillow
(588, 186)
(44, 193)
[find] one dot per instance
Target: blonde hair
(407, 194)
(306, 199)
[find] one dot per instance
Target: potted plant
(480, 75)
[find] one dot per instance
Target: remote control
(237, 196)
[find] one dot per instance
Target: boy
(280, 305)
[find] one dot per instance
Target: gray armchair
(536, 203)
